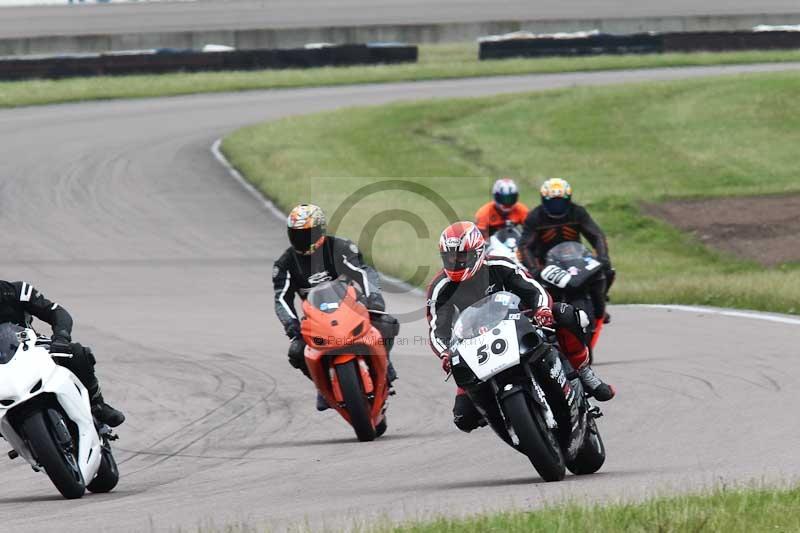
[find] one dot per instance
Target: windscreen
(484, 314)
(509, 237)
(9, 341)
(566, 252)
(328, 296)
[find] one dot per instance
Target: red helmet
(463, 250)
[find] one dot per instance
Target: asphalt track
(119, 211)
(251, 14)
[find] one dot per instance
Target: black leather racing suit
(497, 274)
(20, 302)
(295, 275)
(541, 232)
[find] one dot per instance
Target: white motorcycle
(46, 417)
(505, 242)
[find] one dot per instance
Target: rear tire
(107, 475)
(354, 400)
(380, 429)
(59, 464)
(535, 439)
(592, 454)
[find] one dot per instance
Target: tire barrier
(640, 43)
(169, 60)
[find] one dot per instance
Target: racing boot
(466, 416)
(104, 413)
(594, 386)
(322, 403)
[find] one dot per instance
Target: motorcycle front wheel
(536, 441)
(58, 461)
(355, 401)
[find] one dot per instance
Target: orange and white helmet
(463, 250)
(556, 197)
(306, 227)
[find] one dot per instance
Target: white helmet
(505, 194)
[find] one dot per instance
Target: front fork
(532, 390)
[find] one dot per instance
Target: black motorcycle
(573, 275)
(517, 380)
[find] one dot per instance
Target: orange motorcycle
(346, 356)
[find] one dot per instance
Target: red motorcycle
(346, 356)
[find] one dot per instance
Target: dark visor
(556, 206)
(506, 199)
(302, 239)
(454, 260)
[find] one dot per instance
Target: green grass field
(729, 511)
(436, 61)
(739, 510)
(619, 146)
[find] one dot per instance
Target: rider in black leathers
(558, 219)
(19, 302)
(314, 258)
(469, 275)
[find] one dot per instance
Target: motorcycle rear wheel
(355, 401)
(535, 440)
(108, 474)
(592, 454)
(60, 465)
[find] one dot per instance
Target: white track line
(752, 315)
(280, 215)
(266, 202)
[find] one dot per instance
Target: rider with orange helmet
(468, 275)
(505, 208)
(313, 258)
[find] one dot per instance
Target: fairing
(22, 374)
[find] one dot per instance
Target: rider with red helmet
(505, 208)
(469, 275)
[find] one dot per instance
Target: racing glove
(446, 365)
(543, 317)
(60, 345)
(375, 302)
(293, 329)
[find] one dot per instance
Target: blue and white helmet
(505, 194)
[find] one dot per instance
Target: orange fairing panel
(342, 324)
(372, 365)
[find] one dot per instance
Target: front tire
(59, 463)
(355, 401)
(535, 439)
(592, 454)
(108, 474)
